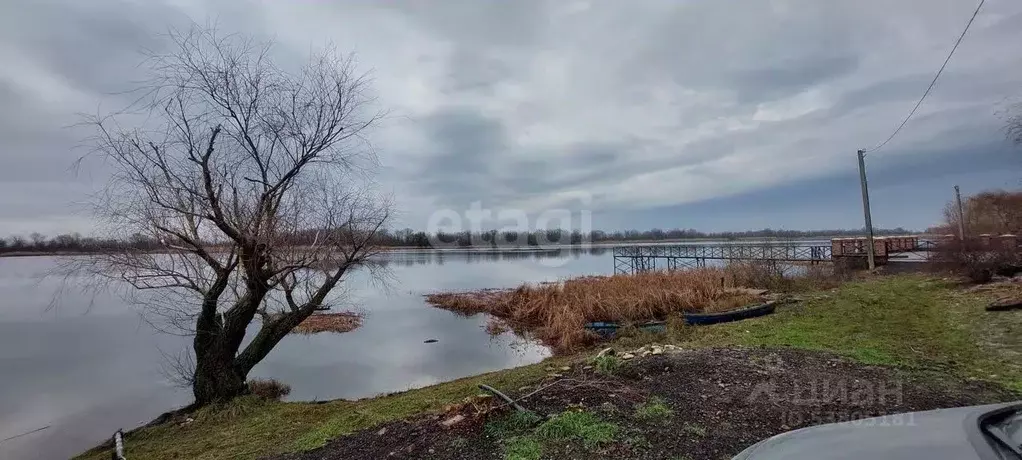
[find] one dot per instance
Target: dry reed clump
(496, 326)
(557, 312)
(271, 389)
(329, 322)
(466, 303)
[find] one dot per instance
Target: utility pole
(865, 209)
(961, 215)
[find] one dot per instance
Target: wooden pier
(639, 258)
(633, 259)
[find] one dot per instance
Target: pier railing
(638, 258)
(632, 259)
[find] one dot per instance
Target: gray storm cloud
(513, 104)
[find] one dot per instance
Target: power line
(24, 434)
(934, 82)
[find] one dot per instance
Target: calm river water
(90, 366)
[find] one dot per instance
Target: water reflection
(427, 257)
(86, 368)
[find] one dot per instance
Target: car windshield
(1006, 429)
(1012, 427)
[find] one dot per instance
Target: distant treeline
(493, 238)
(73, 242)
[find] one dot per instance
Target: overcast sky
(707, 114)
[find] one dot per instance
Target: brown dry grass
(329, 322)
(789, 277)
(496, 326)
(556, 312)
(271, 389)
(975, 260)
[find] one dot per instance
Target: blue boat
(702, 319)
(608, 330)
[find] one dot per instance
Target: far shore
(484, 248)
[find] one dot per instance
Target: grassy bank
(906, 321)
(252, 428)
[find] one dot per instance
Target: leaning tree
(253, 179)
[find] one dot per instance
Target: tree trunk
(271, 333)
(216, 379)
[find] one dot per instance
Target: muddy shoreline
(719, 402)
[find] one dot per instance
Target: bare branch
(251, 177)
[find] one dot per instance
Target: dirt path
(706, 404)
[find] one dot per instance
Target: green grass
(606, 365)
(692, 428)
(578, 426)
(513, 424)
(876, 323)
(654, 410)
(521, 439)
(910, 321)
(523, 448)
(241, 431)
(995, 333)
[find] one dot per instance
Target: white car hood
(936, 435)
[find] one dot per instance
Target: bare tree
(254, 181)
(1013, 122)
(994, 212)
